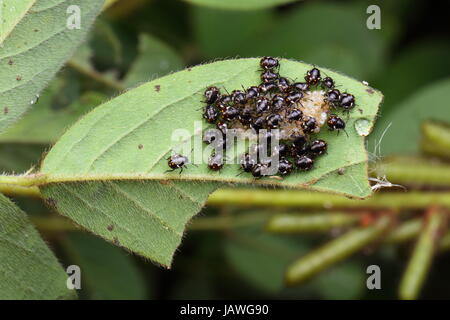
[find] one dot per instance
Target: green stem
(335, 251)
(404, 232)
(315, 222)
(414, 171)
(97, 76)
(315, 200)
(436, 139)
(422, 255)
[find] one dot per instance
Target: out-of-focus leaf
(33, 48)
(240, 4)
(217, 41)
(44, 124)
(261, 259)
(415, 68)
(403, 135)
(341, 282)
(339, 39)
(18, 158)
(155, 59)
(106, 271)
(29, 270)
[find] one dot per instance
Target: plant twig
(422, 255)
(335, 251)
(314, 222)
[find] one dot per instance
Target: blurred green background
(135, 41)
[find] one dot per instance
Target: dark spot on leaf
(51, 202)
(157, 88)
(18, 78)
(140, 146)
(189, 69)
(5, 110)
(10, 62)
(110, 227)
(164, 182)
(35, 30)
(116, 241)
(341, 171)
(370, 91)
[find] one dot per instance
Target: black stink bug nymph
(347, 101)
(177, 161)
(313, 76)
(335, 123)
(211, 114)
(318, 147)
(269, 63)
(212, 94)
(215, 162)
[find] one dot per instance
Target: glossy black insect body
(328, 83)
(309, 125)
(258, 170)
(247, 162)
(262, 105)
(335, 123)
(304, 163)
(269, 63)
(215, 162)
(294, 114)
(223, 127)
(211, 113)
(301, 86)
(269, 76)
(347, 101)
(252, 93)
(177, 161)
(230, 113)
(283, 84)
(224, 102)
(245, 115)
(212, 94)
(294, 97)
(239, 97)
(274, 120)
(333, 97)
(278, 102)
(318, 147)
(267, 87)
(258, 123)
(313, 76)
(281, 150)
(284, 167)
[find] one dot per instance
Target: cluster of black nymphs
(297, 109)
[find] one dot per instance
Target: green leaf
(29, 270)
(403, 135)
(155, 59)
(44, 124)
(261, 259)
(240, 4)
(33, 48)
(429, 62)
(107, 272)
(361, 54)
(110, 167)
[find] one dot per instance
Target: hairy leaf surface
(110, 167)
(34, 43)
(28, 269)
